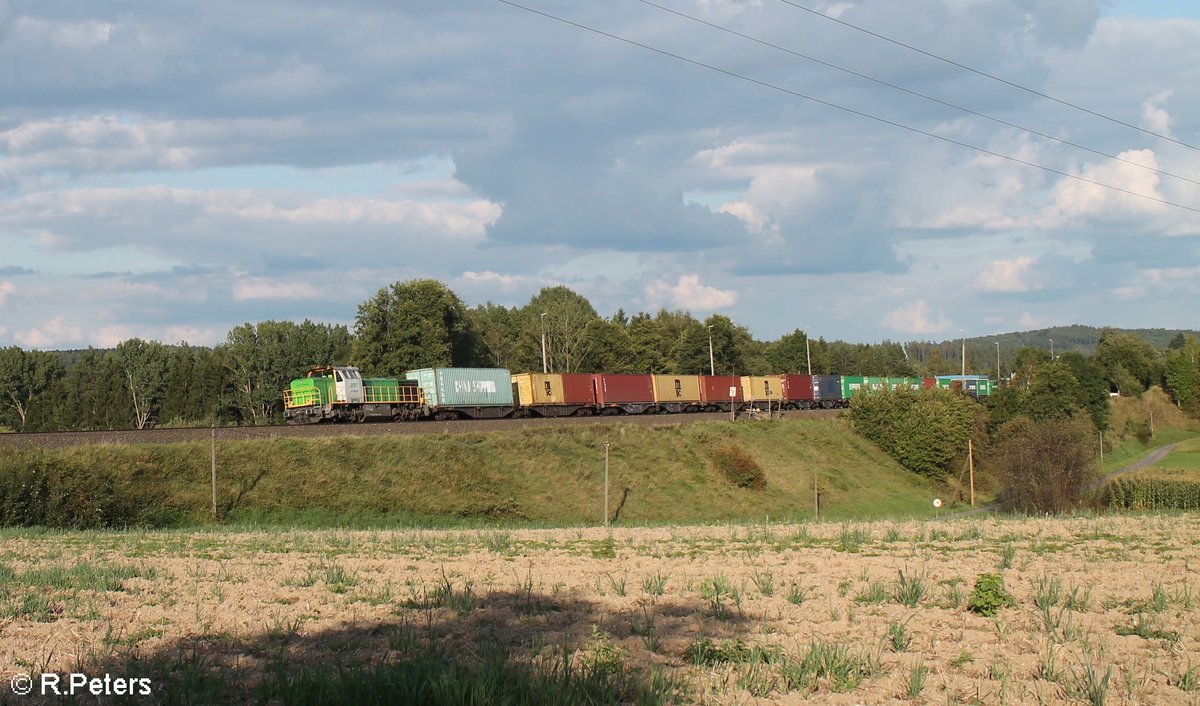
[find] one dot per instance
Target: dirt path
(1144, 462)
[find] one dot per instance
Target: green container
(852, 385)
(875, 384)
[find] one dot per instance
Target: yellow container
(762, 388)
(676, 388)
(538, 389)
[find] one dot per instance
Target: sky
(171, 170)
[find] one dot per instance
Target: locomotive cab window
(337, 376)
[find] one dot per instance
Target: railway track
(63, 439)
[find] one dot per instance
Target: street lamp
(997, 361)
(545, 368)
(1051, 349)
(807, 352)
(712, 365)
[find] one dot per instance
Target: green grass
(1131, 449)
(509, 478)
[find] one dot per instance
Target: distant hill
(981, 350)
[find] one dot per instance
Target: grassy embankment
(534, 477)
(1131, 414)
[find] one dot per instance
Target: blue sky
(170, 171)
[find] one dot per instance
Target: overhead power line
(843, 108)
(985, 74)
(902, 89)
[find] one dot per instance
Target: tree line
(422, 323)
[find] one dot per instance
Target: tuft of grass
(654, 585)
(916, 680)
(874, 594)
(898, 636)
(764, 581)
(797, 594)
(909, 590)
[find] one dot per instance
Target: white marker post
(937, 503)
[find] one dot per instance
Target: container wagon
(797, 391)
(465, 393)
(974, 385)
(553, 395)
(827, 392)
(676, 393)
(624, 394)
(719, 392)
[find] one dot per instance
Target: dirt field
(1106, 610)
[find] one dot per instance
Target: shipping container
(760, 388)
(676, 389)
(976, 385)
(852, 385)
(929, 382)
(797, 388)
(623, 389)
(714, 389)
(875, 384)
(828, 389)
(910, 383)
(464, 387)
(537, 389)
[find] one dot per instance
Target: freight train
(341, 393)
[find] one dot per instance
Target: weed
(1187, 679)
(1092, 687)
(964, 657)
(909, 591)
(1078, 602)
(654, 585)
(604, 549)
(1048, 664)
(764, 581)
(1147, 629)
(1006, 556)
(989, 596)
(874, 594)
(617, 584)
(797, 594)
(898, 636)
(717, 590)
(916, 680)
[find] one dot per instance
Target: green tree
(1093, 387)
(499, 330)
(25, 377)
(1131, 364)
(143, 367)
(1181, 374)
(567, 318)
(925, 430)
(790, 353)
(262, 358)
(1053, 392)
(413, 324)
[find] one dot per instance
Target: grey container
(464, 387)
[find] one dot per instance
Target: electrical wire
(843, 108)
(918, 94)
(985, 74)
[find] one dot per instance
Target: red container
(929, 382)
(577, 389)
(797, 387)
(623, 389)
(716, 388)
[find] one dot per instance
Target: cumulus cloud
(688, 293)
(7, 289)
(917, 318)
(1154, 114)
(55, 333)
(506, 283)
(1006, 275)
(265, 289)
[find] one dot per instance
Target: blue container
(827, 387)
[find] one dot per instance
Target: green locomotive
(342, 394)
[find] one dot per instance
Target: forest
(422, 323)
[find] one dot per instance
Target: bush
(36, 491)
(925, 430)
(1048, 466)
(739, 467)
(989, 595)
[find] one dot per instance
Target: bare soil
(240, 598)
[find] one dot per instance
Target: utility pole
(545, 369)
(1101, 450)
(606, 484)
(997, 361)
(964, 350)
(1051, 349)
(712, 366)
(816, 497)
(971, 463)
(214, 470)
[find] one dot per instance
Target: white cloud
(1154, 114)
(264, 289)
(916, 318)
(1006, 275)
(7, 289)
(506, 283)
(1074, 198)
(688, 293)
(54, 333)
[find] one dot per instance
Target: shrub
(739, 467)
(925, 430)
(1048, 466)
(989, 596)
(39, 491)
